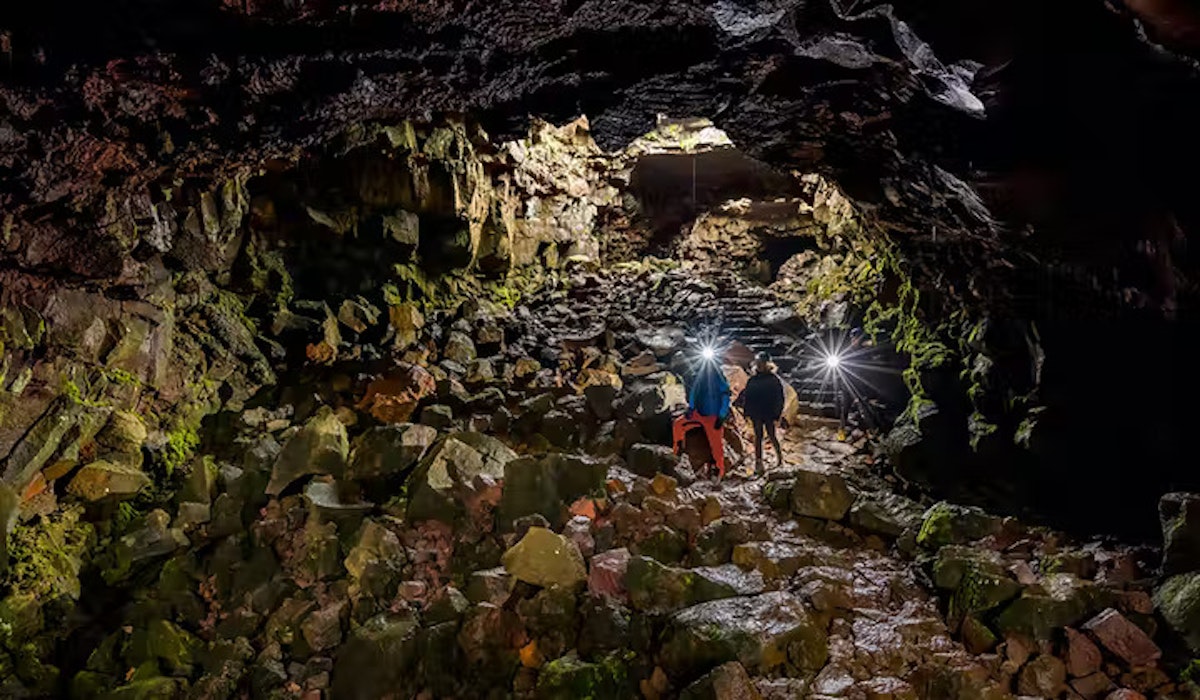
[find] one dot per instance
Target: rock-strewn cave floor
(508, 521)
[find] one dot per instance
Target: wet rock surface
(325, 549)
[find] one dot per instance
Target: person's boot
(759, 470)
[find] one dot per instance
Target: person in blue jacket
(708, 408)
(710, 394)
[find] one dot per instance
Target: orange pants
(716, 444)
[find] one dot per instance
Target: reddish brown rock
(1125, 694)
(607, 576)
(1083, 657)
(1092, 687)
(1123, 638)
(1044, 677)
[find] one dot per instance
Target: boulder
(437, 416)
(1178, 601)
(1044, 677)
(605, 627)
(1094, 685)
(560, 428)
(376, 560)
(774, 560)
(320, 447)
(459, 348)
(449, 473)
(888, 514)
(820, 495)
(322, 629)
(1124, 639)
(1060, 600)
(600, 398)
(648, 460)
(607, 575)
(124, 433)
(154, 540)
(978, 578)
(377, 660)
(389, 450)
(490, 638)
(1083, 657)
(103, 479)
(663, 543)
(946, 523)
(394, 396)
(716, 542)
(407, 321)
(1179, 515)
(764, 633)
(358, 314)
(569, 678)
(543, 558)
(489, 586)
(329, 503)
(654, 587)
(664, 341)
(725, 682)
(548, 486)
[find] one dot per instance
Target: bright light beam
(708, 353)
(833, 361)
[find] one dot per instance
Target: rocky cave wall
(151, 201)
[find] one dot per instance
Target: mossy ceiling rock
(48, 554)
(450, 470)
(100, 480)
(125, 432)
(544, 558)
(1060, 600)
(764, 633)
(946, 523)
(58, 436)
(389, 450)
(1178, 601)
(548, 486)
(320, 447)
(377, 660)
(820, 495)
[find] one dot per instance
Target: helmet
(762, 357)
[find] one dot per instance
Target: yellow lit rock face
(101, 479)
(545, 559)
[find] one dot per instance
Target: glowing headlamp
(708, 352)
(833, 361)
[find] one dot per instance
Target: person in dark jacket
(762, 402)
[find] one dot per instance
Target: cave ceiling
(1024, 134)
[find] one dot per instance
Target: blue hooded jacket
(710, 392)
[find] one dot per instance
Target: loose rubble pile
(495, 513)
